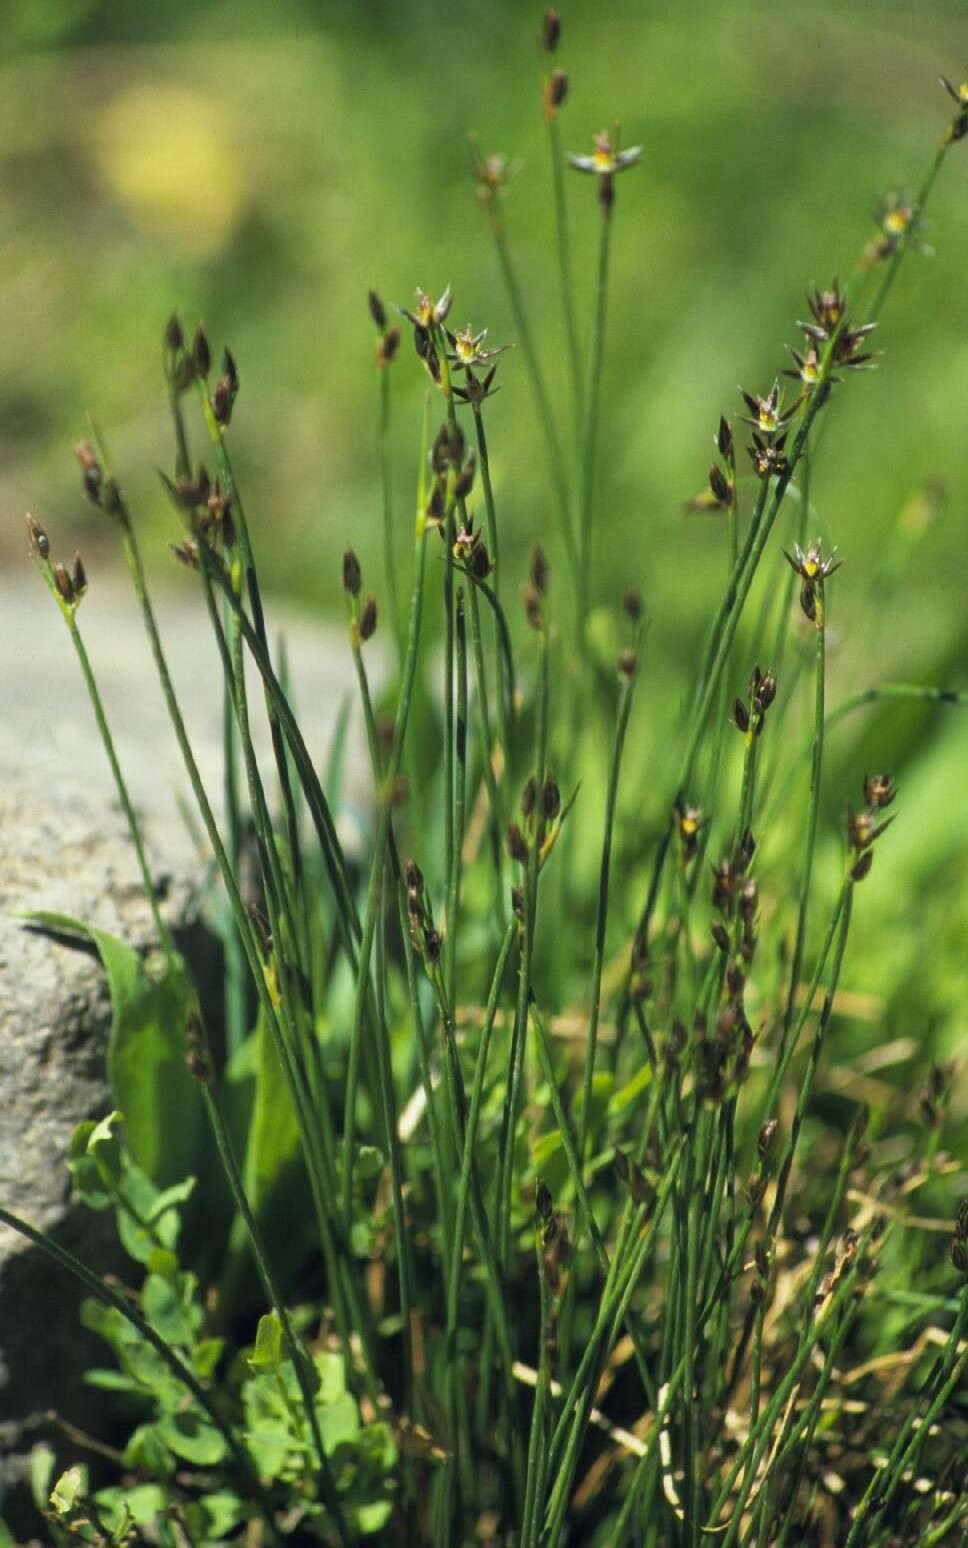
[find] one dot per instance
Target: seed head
(377, 310)
(517, 845)
(879, 790)
(174, 338)
(550, 799)
(539, 571)
(201, 353)
(368, 619)
(765, 1138)
(555, 91)
(551, 30)
(352, 578)
(39, 542)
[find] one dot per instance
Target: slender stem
(386, 472)
(503, 708)
(604, 877)
(374, 890)
(590, 439)
(559, 477)
(564, 270)
(813, 810)
(519, 1032)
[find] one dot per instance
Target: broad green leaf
(372, 1518)
(267, 1354)
(189, 1434)
(273, 1131)
(339, 1422)
(223, 1511)
(163, 1305)
(143, 1503)
(147, 1451)
(146, 1053)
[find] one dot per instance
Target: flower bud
(39, 542)
(352, 578)
(201, 353)
(368, 619)
(551, 30)
(765, 1138)
(377, 310)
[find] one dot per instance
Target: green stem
(590, 438)
(813, 810)
(374, 889)
(386, 472)
(564, 271)
(559, 477)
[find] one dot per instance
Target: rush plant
(514, 1200)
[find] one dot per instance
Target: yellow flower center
(811, 568)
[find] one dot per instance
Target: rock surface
(64, 847)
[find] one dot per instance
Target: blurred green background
(260, 166)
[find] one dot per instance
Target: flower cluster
(389, 340)
(751, 718)
(604, 162)
(769, 422)
(813, 569)
(864, 828)
(723, 1058)
(71, 584)
(363, 617)
(958, 128)
(185, 364)
(202, 505)
(721, 492)
(897, 221)
(427, 940)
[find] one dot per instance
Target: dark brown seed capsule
(201, 353)
(39, 542)
(377, 310)
(517, 847)
(551, 30)
(368, 619)
(352, 578)
(765, 1138)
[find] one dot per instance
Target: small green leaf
(164, 1308)
(67, 1491)
(146, 1052)
(190, 1435)
(41, 1473)
(267, 1354)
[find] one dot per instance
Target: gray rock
(64, 847)
(65, 853)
